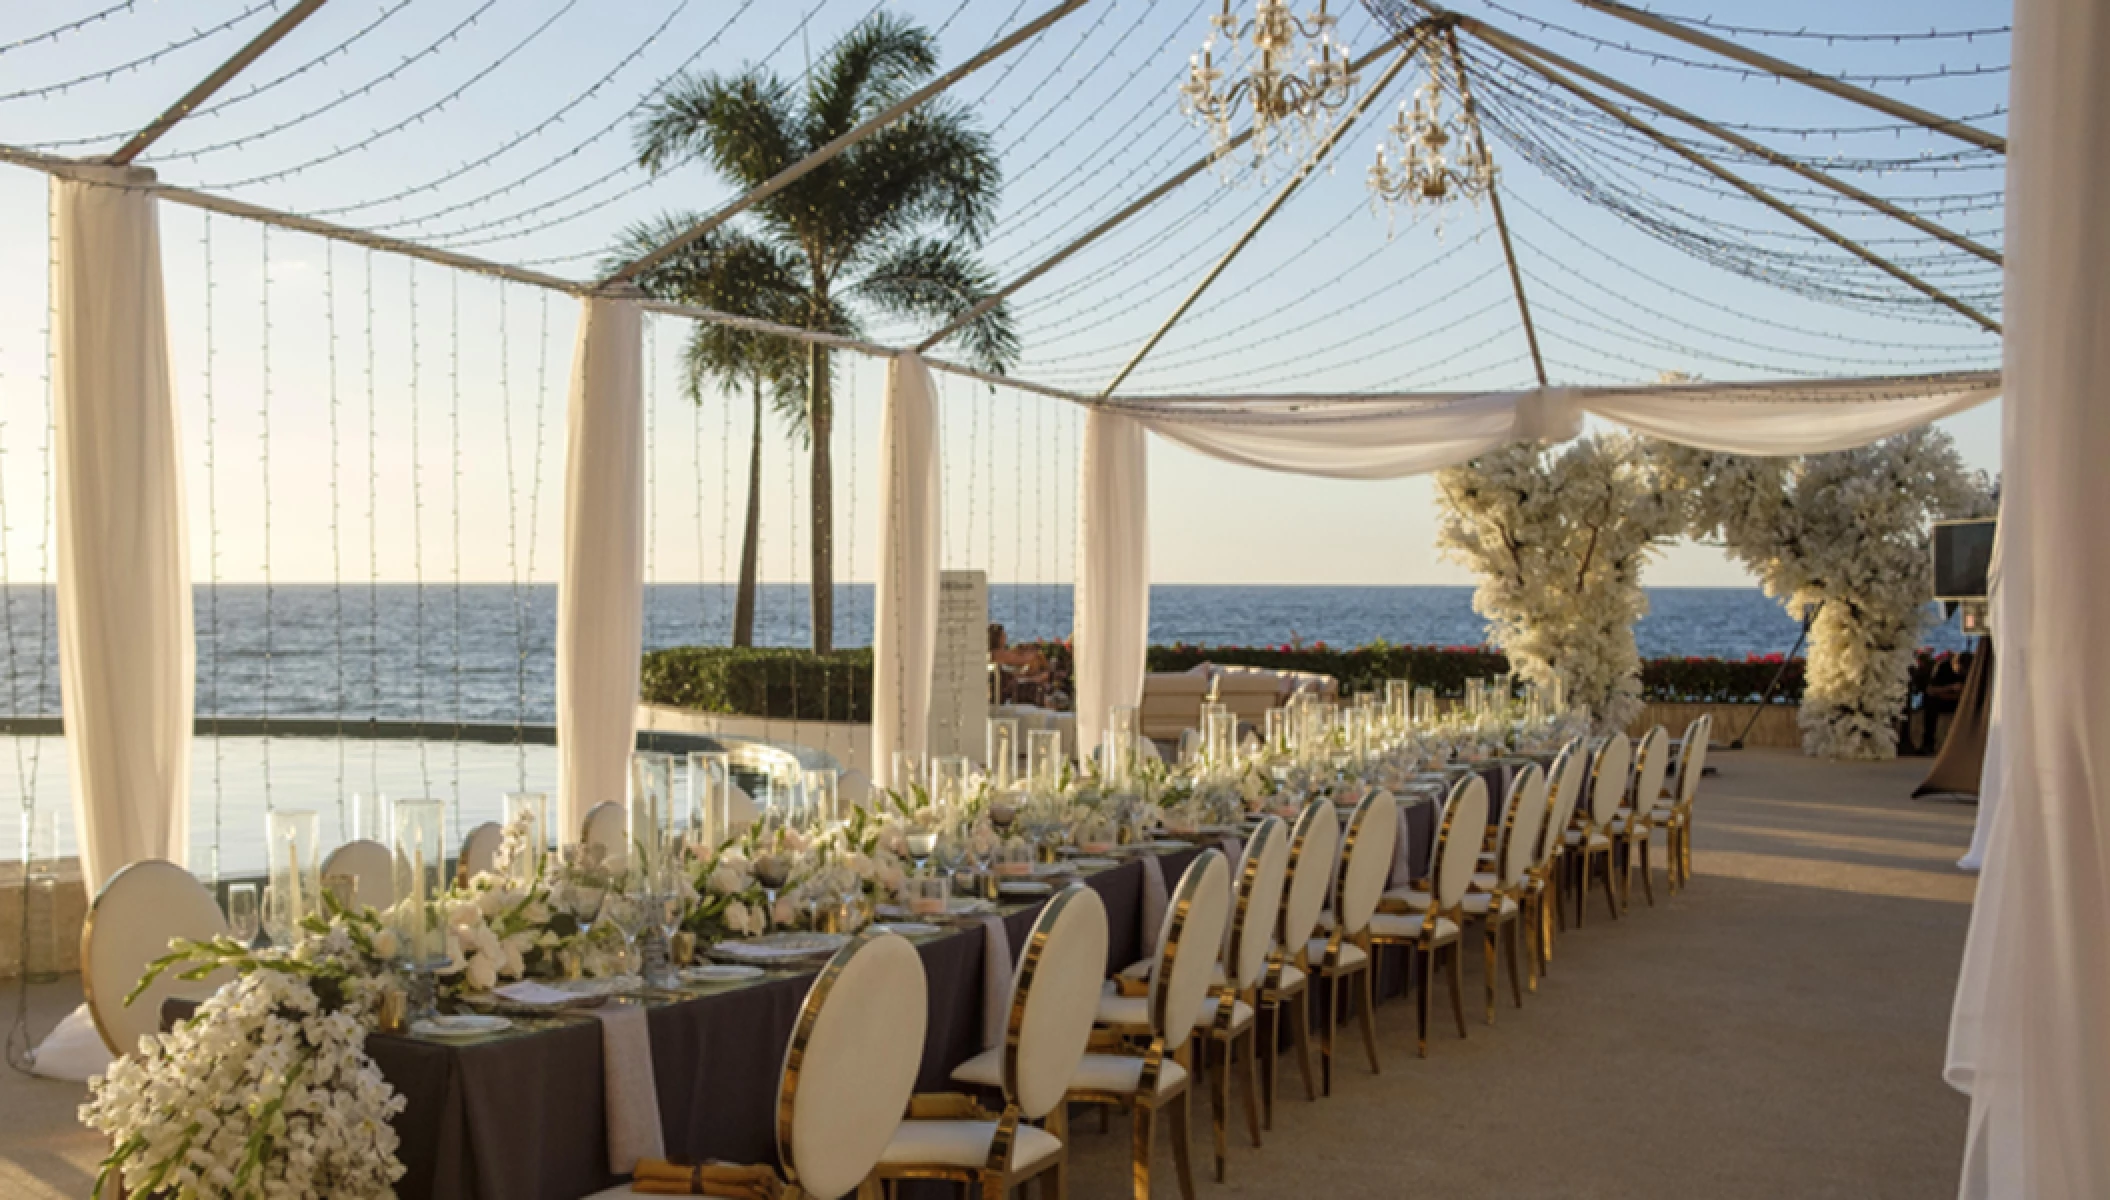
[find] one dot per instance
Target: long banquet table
(520, 1114)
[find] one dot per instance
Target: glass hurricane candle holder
(711, 798)
(1221, 739)
(532, 809)
(1399, 698)
(651, 807)
(824, 796)
(1044, 758)
(420, 879)
(949, 776)
(1000, 750)
(293, 862)
(1424, 708)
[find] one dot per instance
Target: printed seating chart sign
(959, 692)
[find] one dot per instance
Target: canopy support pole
(1135, 206)
(1303, 172)
(1516, 46)
(819, 158)
(1494, 200)
(1802, 75)
(1751, 189)
(214, 82)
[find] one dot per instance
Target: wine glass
(772, 870)
(630, 908)
(922, 834)
(582, 898)
(244, 918)
(951, 851)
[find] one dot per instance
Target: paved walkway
(1775, 1031)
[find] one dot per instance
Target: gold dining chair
(1255, 915)
(847, 1078)
(1631, 828)
(1286, 989)
(949, 1136)
(1591, 839)
(1342, 955)
(1441, 924)
(1158, 1080)
(1543, 903)
(1675, 817)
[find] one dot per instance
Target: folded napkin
(1404, 868)
(1155, 900)
(656, 1177)
(633, 1093)
(996, 981)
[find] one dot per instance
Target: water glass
(243, 918)
(928, 895)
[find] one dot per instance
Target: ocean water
(483, 653)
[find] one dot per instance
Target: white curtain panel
(1791, 418)
(601, 594)
(905, 608)
(2030, 1038)
(1111, 609)
(126, 651)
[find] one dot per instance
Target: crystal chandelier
(1434, 157)
(1289, 107)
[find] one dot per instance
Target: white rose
(385, 944)
(727, 880)
(483, 972)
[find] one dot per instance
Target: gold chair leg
(1648, 883)
(1249, 1082)
(1421, 997)
(1182, 1132)
(1219, 1101)
(1055, 1182)
(1145, 1126)
(1333, 1013)
(1579, 879)
(1458, 983)
(1611, 901)
(1267, 1031)
(1369, 974)
(1489, 931)
(1300, 1032)
(1515, 930)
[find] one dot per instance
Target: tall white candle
(293, 897)
(418, 944)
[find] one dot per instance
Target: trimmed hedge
(780, 683)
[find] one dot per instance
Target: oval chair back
(1458, 843)
(372, 867)
(130, 925)
(1609, 776)
(1693, 762)
(1653, 767)
(1054, 996)
(1520, 841)
(480, 849)
(1254, 915)
(1366, 860)
(1571, 772)
(608, 827)
(1313, 841)
(1188, 947)
(851, 1064)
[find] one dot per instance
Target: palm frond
(745, 126)
(938, 281)
(875, 64)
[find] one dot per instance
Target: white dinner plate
(720, 973)
(908, 928)
(1094, 864)
(781, 947)
(1024, 887)
(461, 1025)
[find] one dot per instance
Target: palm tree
(886, 229)
(737, 274)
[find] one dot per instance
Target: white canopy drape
(905, 607)
(126, 651)
(2030, 1040)
(1111, 607)
(601, 595)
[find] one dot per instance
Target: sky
(348, 415)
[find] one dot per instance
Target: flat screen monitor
(1963, 552)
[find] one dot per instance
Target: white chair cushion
(1351, 954)
(1407, 926)
(1291, 976)
(1123, 1074)
(1125, 1012)
(1574, 838)
(1476, 904)
(966, 1144)
(983, 1070)
(1486, 881)
(1241, 1014)
(1413, 898)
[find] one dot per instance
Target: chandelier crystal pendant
(1430, 157)
(1290, 108)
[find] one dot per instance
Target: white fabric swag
(905, 604)
(127, 656)
(1111, 608)
(601, 594)
(2029, 1039)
